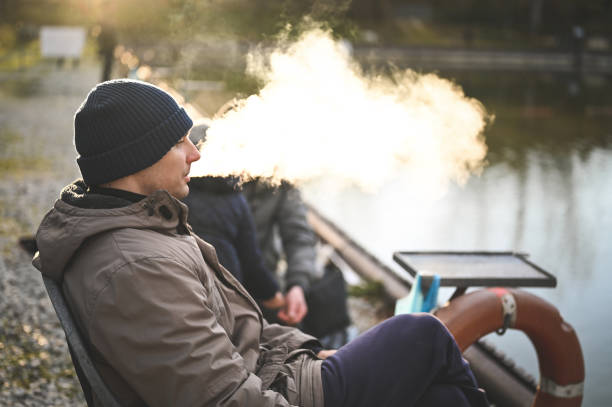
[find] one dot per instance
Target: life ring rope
(509, 312)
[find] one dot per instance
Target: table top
(469, 269)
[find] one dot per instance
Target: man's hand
(276, 302)
(325, 353)
(295, 306)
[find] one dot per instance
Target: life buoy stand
(471, 316)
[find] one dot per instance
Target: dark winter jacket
(220, 215)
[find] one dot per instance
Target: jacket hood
(79, 215)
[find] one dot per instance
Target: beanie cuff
(136, 155)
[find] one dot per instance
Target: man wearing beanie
(166, 324)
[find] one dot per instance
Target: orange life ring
(471, 316)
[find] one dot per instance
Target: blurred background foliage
(517, 23)
(199, 45)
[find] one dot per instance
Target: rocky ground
(36, 160)
(35, 368)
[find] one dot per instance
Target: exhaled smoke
(320, 115)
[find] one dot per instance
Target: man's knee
(431, 322)
(421, 322)
(420, 328)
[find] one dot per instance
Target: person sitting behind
(220, 215)
(283, 233)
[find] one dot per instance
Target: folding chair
(92, 384)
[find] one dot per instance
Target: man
(166, 324)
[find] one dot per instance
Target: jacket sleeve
(274, 335)
(152, 324)
(297, 238)
(258, 280)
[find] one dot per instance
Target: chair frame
(91, 382)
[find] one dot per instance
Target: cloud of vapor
(320, 115)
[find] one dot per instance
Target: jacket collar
(66, 227)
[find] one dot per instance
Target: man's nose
(194, 154)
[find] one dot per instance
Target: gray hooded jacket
(283, 230)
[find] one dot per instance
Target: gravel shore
(37, 159)
(35, 368)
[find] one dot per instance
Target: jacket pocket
(271, 362)
(284, 384)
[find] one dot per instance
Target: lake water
(547, 191)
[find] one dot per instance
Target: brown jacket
(167, 324)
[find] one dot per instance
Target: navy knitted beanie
(125, 126)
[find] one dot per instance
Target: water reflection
(542, 113)
(547, 191)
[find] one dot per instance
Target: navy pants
(407, 360)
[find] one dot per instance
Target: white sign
(62, 41)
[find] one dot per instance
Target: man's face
(171, 172)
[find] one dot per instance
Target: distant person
(167, 324)
(468, 36)
(107, 41)
(578, 45)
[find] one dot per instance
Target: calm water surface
(547, 191)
